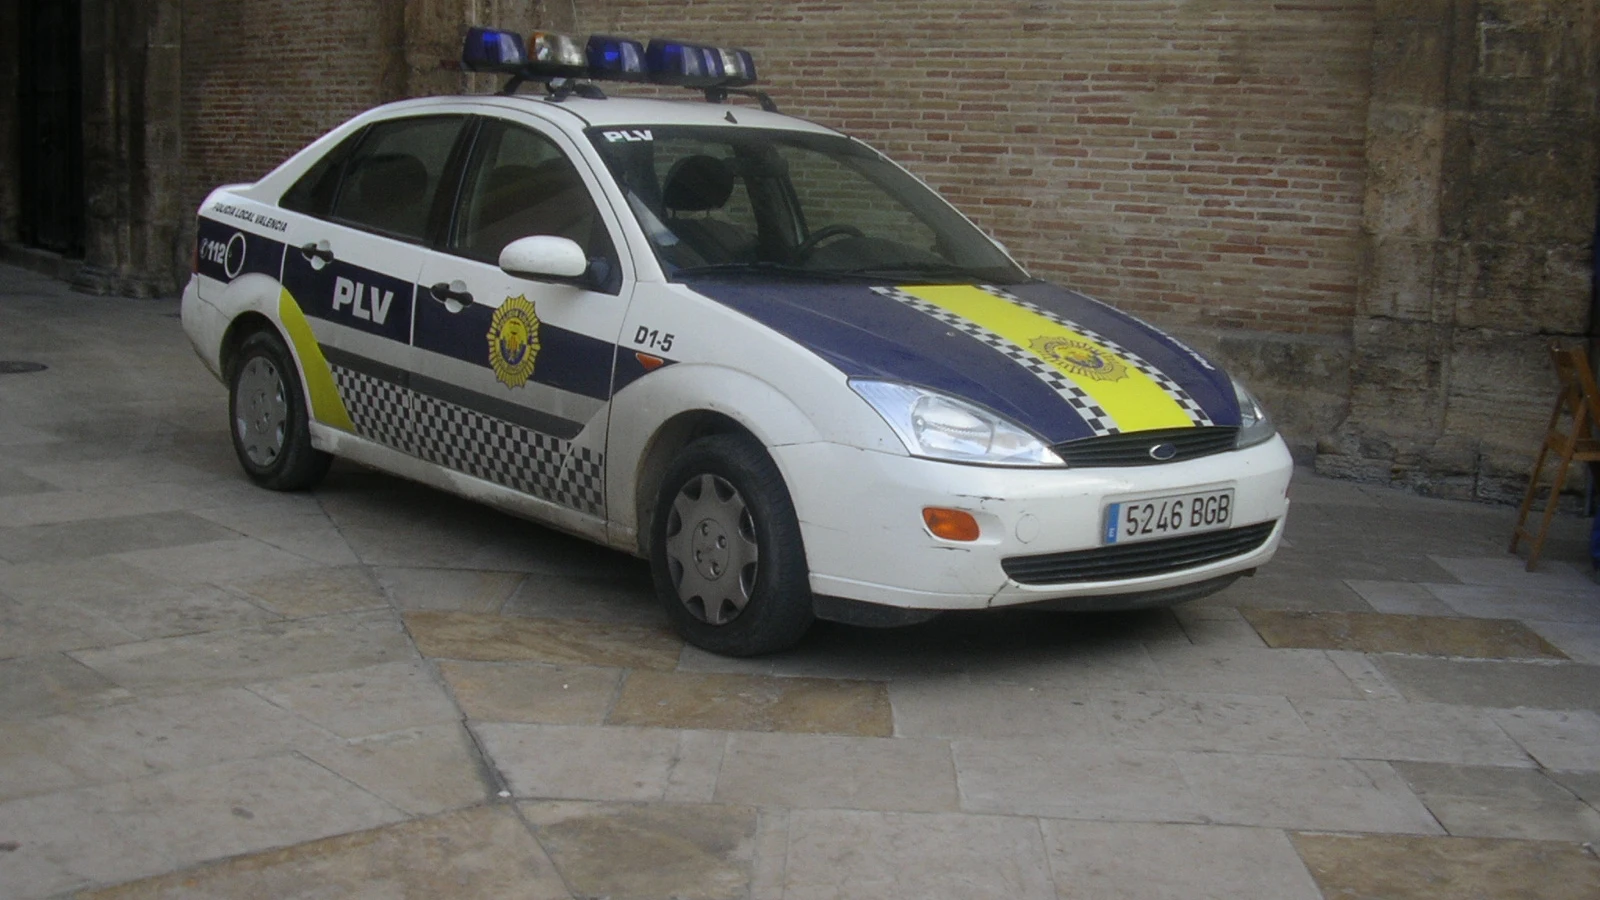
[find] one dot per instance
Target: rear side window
(313, 194)
(390, 180)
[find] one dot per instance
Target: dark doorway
(51, 125)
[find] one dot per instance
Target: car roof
(618, 111)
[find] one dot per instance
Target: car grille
(1137, 560)
(1132, 448)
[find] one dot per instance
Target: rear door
(352, 263)
(513, 375)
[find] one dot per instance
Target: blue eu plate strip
(1113, 515)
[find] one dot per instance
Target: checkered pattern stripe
(468, 441)
(1186, 402)
(1098, 420)
(508, 454)
(378, 408)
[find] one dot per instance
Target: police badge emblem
(514, 341)
(1080, 358)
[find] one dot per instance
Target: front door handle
(318, 253)
(451, 292)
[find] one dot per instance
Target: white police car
(744, 346)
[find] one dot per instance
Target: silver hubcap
(711, 549)
(260, 411)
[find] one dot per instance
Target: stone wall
(133, 149)
(1483, 170)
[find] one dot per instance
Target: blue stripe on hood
(865, 334)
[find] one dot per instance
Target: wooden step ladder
(1570, 437)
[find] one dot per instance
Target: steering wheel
(810, 244)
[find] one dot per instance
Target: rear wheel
(725, 550)
(267, 414)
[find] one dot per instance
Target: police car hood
(1052, 360)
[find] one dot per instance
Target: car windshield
(741, 202)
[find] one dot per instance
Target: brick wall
(262, 78)
(1197, 163)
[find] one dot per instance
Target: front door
(513, 376)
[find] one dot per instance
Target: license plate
(1159, 517)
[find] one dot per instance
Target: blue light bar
(552, 58)
(492, 50)
(615, 59)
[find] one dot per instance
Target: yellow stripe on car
(1130, 397)
(326, 407)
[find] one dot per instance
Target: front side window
(391, 179)
(719, 200)
(520, 184)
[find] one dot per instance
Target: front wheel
(725, 550)
(267, 416)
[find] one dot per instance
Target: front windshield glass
(734, 201)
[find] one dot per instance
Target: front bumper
(861, 517)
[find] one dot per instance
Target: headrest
(697, 184)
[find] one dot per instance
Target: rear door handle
(446, 292)
(318, 253)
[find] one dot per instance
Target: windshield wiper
(754, 267)
(917, 269)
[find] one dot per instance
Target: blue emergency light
(550, 57)
(490, 50)
(616, 59)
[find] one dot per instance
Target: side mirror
(544, 256)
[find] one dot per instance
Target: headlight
(1255, 425)
(937, 426)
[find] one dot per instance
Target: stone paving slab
(177, 820)
(1423, 732)
(847, 855)
(1140, 861)
(1042, 777)
(1573, 605)
(1302, 793)
(49, 683)
(1387, 633)
(82, 539)
(246, 655)
(313, 592)
(1399, 867)
(532, 693)
(454, 590)
(1482, 801)
(481, 852)
(1558, 739)
(574, 762)
(826, 771)
(646, 852)
(420, 771)
(753, 703)
(1494, 683)
(466, 636)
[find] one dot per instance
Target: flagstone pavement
(374, 690)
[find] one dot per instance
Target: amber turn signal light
(950, 524)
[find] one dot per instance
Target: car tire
(725, 550)
(267, 417)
